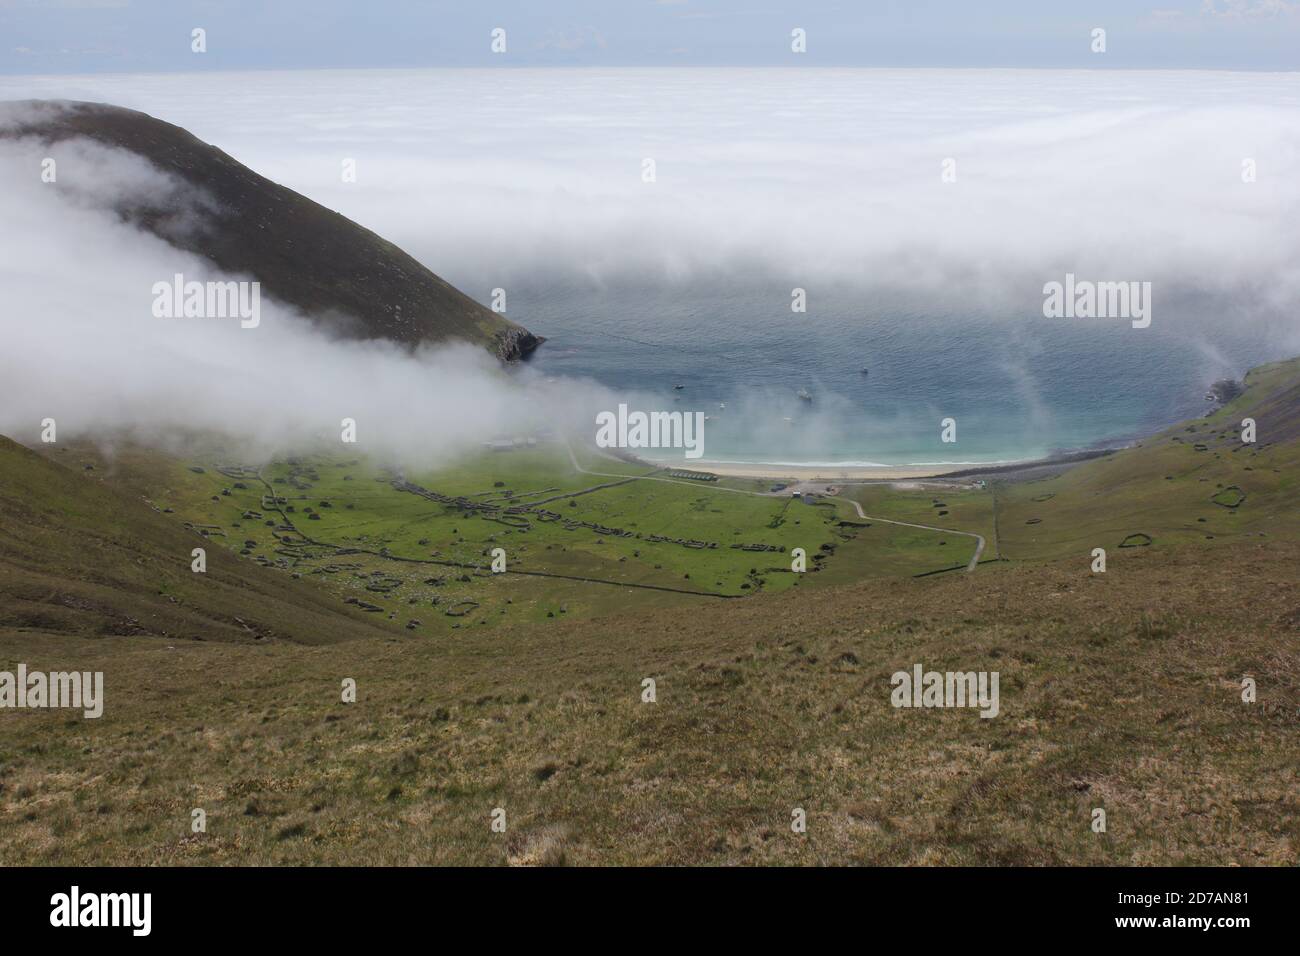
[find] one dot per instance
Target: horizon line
(657, 66)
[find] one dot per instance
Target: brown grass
(1119, 691)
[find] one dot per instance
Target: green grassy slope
(80, 558)
(1193, 484)
(589, 546)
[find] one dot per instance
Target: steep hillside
(303, 254)
(78, 558)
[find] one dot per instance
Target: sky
(138, 36)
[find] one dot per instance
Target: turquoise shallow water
(1018, 385)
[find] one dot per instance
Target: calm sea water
(1018, 385)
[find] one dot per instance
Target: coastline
(855, 473)
(793, 472)
(964, 472)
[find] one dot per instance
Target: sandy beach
(818, 472)
(857, 473)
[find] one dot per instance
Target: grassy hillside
(1119, 691)
(1192, 484)
(77, 558)
(311, 257)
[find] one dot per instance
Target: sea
(856, 381)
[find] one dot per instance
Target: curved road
(979, 538)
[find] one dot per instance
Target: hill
(1195, 483)
(77, 558)
(332, 269)
(1118, 691)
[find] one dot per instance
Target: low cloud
(533, 177)
(1249, 9)
(83, 346)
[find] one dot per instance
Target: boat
(805, 395)
(679, 387)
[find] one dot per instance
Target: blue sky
(91, 36)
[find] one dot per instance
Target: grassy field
(1120, 691)
(586, 544)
